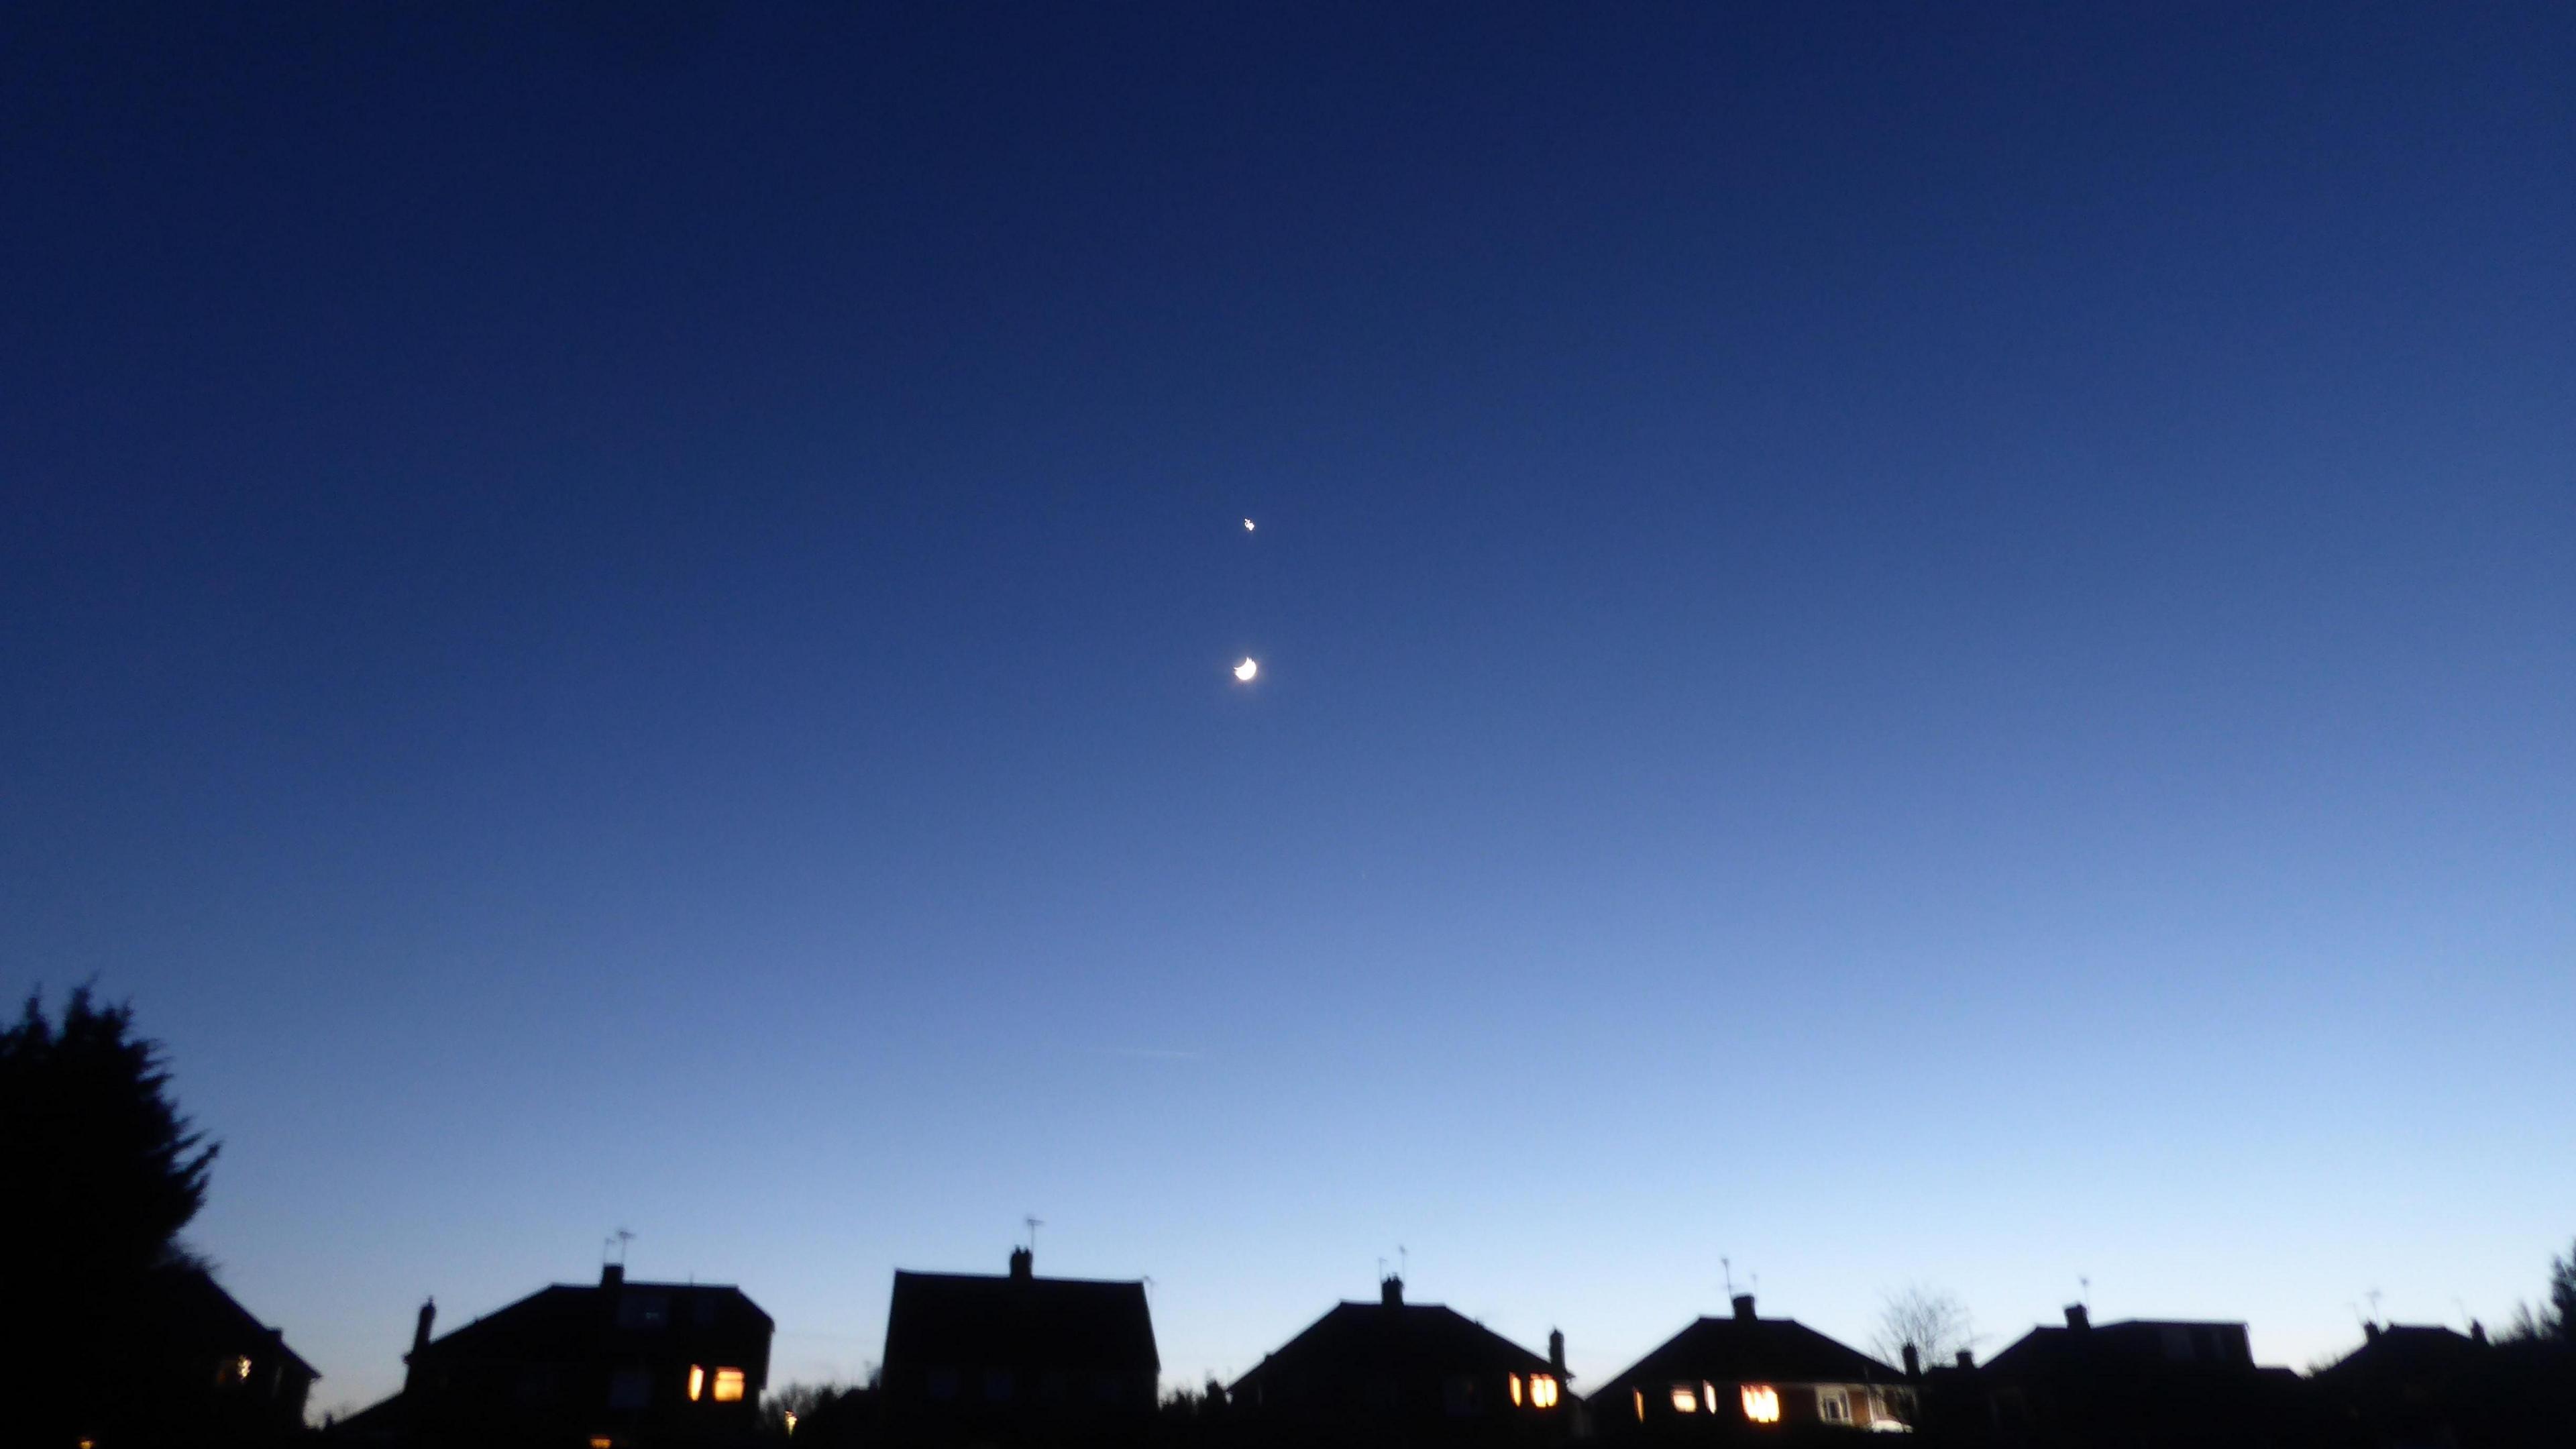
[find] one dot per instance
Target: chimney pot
(1556, 1352)
(1913, 1362)
(1023, 1265)
(2370, 1332)
(612, 1275)
(1744, 1307)
(2477, 1331)
(420, 1330)
(1390, 1291)
(1966, 1359)
(2077, 1318)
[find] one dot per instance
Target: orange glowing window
(1516, 1391)
(241, 1367)
(602, 1441)
(697, 1382)
(1542, 1391)
(1762, 1403)
(1685, 1399)
(1640, 1396)
(728, 1386)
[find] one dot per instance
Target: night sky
(1903, 643)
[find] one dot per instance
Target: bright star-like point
(1248, 668)
(1247, 525)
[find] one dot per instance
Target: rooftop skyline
(1899, 645)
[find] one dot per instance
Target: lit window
(1762, 1403)
(1685, 1399)
(1542, 1391)
(602, 1441)
(728, 1386)
(697, 1381)
(790, 1416)
(1832, 1407)
(241, 1367)
(1516, 1391)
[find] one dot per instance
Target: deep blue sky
(1909, 643)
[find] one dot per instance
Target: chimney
(2370, 1332)
(612, 1275)
(1390, 1291)
(1913, 1363)
(2077, 1318)
(1967, 1360)
(2477, 1331)
(1024, 1265)
(1556, 1353)
(1744, 1308)
(419, 1341)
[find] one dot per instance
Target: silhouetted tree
(800, 1400)
(102, 1174)
(106, 1172)
(2562, 1296)
(1931, 1319)
(2554, 1319)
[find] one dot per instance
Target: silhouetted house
(1746, 1378)
(1017, 1360)
(607, 1367)
(2408, 1386)
(196, 1365)
(1393, 1372)
(2139, 1383)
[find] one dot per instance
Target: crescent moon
(1248, 668)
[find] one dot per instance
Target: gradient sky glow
(1907, 643)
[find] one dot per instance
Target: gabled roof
(2133, 1343)
(1354, 1340)
(2406, 1349)
(192, 1303)
(1752, 1350)
(564, 1320)
(967, 1319)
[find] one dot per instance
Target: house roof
(2138, 1342)
(2405, 1349)
(193, 1305)
(1747, 1349)
(568, 1320)
(968, 1319)
(1408, 1339)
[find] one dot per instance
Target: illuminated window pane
(728, 1386)
(1832, 1407)
(241, 1367)
(1685, 1399)
(1762, 1403)
(1543, 1391)
(1516, 1391)
(1640, 1396)
(697, 1381)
